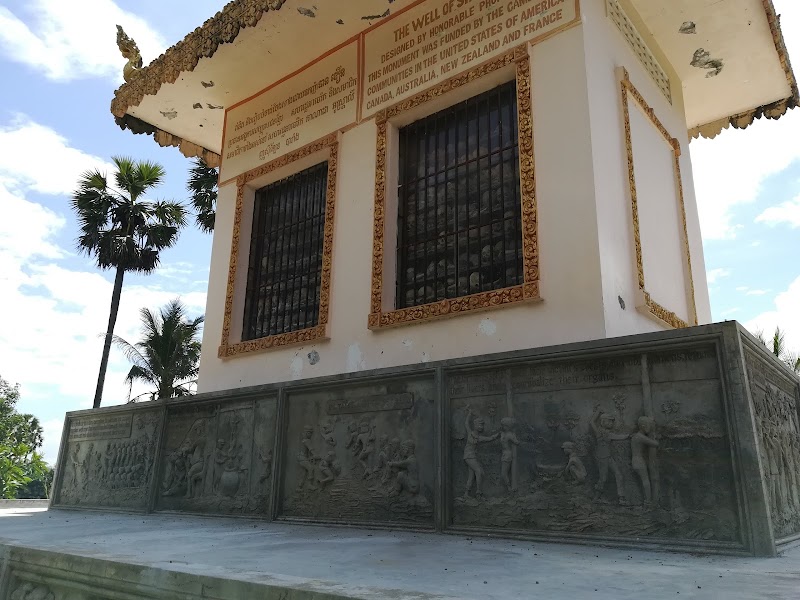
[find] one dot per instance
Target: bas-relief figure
(111, 472)
(585, 458)
(218, 459)
(31, 591)
(775, 407)
(356, 455)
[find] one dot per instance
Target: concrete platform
(162, 556)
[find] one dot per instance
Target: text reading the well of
(438, 40)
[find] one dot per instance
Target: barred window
(459, 206)
(284, 273)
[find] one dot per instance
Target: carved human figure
(333, 463)
(508, 439)
(407, 479)
(326, 430)
(197, 468)
(306, 459)
(474, 437)
(324, 475)
(365, 445)
(266, 459)
(603, 426)
(75, 464)
(575, 469)
(86, 465)
(641, 442)
(31, 591)
(388, 453)
(220, 455)
(352, 436)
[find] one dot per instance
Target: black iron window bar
(284, 274)
(459, 205)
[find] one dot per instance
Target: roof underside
(181, 96)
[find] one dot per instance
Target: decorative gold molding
(529, 290)
(222, 28)
(655, 309)
(318, 331)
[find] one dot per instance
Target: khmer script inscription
(99, 428)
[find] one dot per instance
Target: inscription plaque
(101, 428)
(372, 403)
(305, 107)
(439, 39)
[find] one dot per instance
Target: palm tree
(777, 345)
(168, 353)
(203, 186)
(122, 230)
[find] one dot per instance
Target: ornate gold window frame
(646, 303)
(227, 348)
(529, 289)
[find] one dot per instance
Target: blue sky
(59, 67)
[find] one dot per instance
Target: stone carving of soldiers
(474, 437)
(575, 469)
(508, 439)
(603, 427)
(641, 442)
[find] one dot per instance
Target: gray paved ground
(435, 565)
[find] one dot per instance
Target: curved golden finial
(129, 50)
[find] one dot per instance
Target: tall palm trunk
(112, 320)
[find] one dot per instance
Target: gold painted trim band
(319, 331)
(655, 309)
(529, 290)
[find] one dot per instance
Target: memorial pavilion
(452, 177)
(457, 279)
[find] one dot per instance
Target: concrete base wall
(682, 440)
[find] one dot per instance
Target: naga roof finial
(129, 50)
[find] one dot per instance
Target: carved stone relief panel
(218, 458)
(25, 590)
(775, 406)
(584, 447)
(110, 460)
(362, 453)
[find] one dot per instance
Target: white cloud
(42, 160)
(757, 292)
(788, 212)
(66, 41)
(54, 317)
(715, 275)
(729, 170)
(785, 315)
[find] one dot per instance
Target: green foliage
(120, 229)
(203, 186)
(168, 354)
(20, 438)
(777, 345)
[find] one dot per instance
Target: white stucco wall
(606, 51)
(585, 243)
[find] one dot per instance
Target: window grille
(459, 205)
(284, 273)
